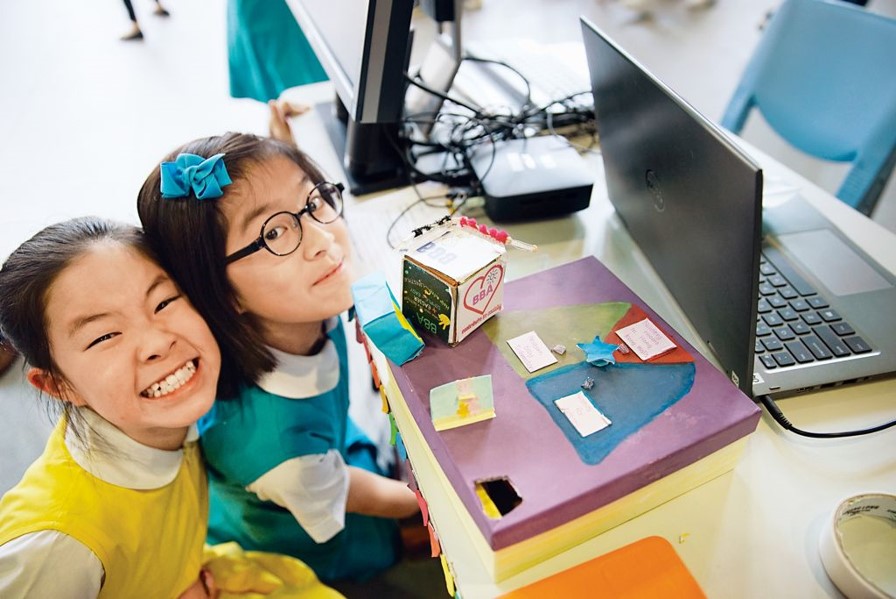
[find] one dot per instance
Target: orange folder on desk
(646, 569)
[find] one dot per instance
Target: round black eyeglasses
(281, 233)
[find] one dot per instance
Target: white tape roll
(858, 547)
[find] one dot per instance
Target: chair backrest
(824, 78)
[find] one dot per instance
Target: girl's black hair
(189, 235)
(29, 273)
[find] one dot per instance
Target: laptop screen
(689, 198)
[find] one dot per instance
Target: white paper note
(531, 351)
(582, 414)
(645, 339)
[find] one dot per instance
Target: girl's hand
(281, 112)
(374, 495)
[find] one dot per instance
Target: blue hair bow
(204, 176)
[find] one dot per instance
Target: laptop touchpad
(837, 266)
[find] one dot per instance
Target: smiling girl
(117, 504)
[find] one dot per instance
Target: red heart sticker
(478, 297)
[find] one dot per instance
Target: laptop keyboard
(796, 325)
(554, 71)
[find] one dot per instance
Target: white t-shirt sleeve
(49, 563)
(314, 488)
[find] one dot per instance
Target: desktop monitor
(364, 46)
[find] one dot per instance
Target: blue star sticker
(598, 353)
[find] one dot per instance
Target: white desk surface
(750, 533)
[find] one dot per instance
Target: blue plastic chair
(824, 78)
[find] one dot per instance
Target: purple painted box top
(524, 444)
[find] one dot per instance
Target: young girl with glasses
(254, 234)
(116, 506)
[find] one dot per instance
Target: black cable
(447, 203)
(464, 133)
(522, 77)
(781, 419)
(579, 148)
(417, 82)
(419, 200)
(448, 176)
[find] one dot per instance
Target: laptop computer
(784, 300)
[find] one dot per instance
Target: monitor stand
(385, 168)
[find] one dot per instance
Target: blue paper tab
(382, 320)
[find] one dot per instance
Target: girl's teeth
(171, 382)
